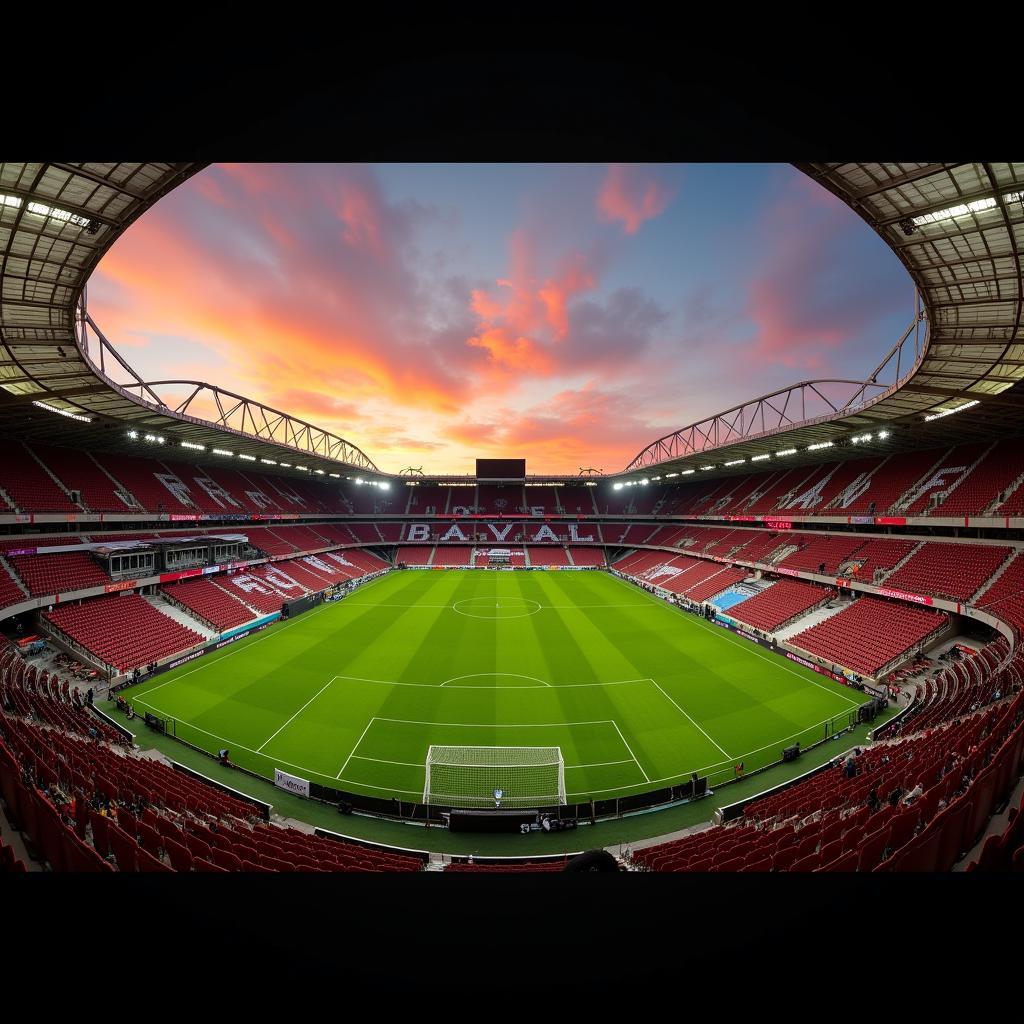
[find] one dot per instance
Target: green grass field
(635, 693)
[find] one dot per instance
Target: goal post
(494, 777)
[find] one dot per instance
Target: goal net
(512, 777)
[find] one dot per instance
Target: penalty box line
(692, 721)
(447, 683)
(474, 725)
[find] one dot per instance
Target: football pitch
(636, 694)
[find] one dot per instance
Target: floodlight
(63, 412)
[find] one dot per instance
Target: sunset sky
(568, 314)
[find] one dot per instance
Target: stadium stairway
(811, 619)
(56, 480)
(994, 578)
(179, 614)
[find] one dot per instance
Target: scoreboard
(501, 469)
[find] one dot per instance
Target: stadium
(784, 638)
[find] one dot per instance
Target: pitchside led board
(501, 469)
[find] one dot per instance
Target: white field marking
(356, 747)
(434, 686)
(384, 760)
(243, 646)
(349, 603)
(469, 614)
(750, 648)
(497, 725)
(416, 792)
(717, 764)
(485, 675)
(259, 749)
(419, 764)
(631, 754)
(301, 767)
(689, 719)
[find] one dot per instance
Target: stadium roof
(957, 228)
(959, 231)
(56, 223)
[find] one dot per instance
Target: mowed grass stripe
(286, 689)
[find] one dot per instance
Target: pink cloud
(804, 309)
(631, 195)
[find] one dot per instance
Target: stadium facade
(904, 490)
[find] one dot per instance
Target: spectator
(913, 794)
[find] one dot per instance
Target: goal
(475, 776)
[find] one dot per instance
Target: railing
(237, 414)
(791, 407)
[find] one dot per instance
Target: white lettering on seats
(318, 564)
(215, 491)
(260, 500)
(937, 480)
(176, 487)
(281, 580)
(250, 584)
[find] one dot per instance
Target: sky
(433, 314)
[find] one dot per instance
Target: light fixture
(760, 458)
(268, 462)
(63, 412)
(192, 445)
(669, 476)
(287, 465)
(883, 434)
(337, 476)
(221, 451)
(859, 438)
(153, 439)
(950, 412)
(686, 472)
(305, 469)
(616, 487)
(58, 214)
(958, 211)
(707, 467)
(247, 458)
(819, 446)
(320, 471)
(786, 451)
(133, 434)
(736, 462)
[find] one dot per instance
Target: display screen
(501, 469)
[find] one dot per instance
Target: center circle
(497, 607)
(462, 682)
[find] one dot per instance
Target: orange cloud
(631, 195)
(513, 352)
